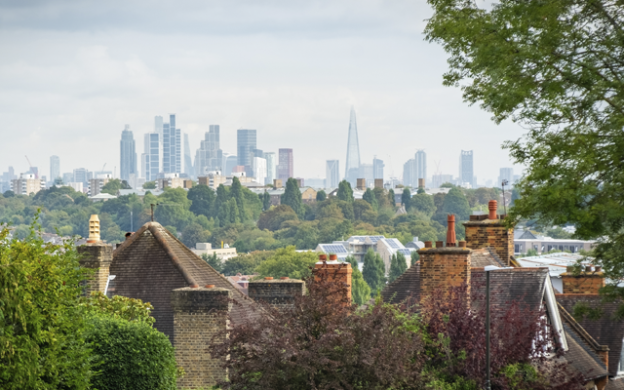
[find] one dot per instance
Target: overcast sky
(73, 73)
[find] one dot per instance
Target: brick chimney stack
(336, 271)
(484, 231)
(444, 267)
(587, 282)
(450, 230)
(280, 293)
(95, 255)
(199, 315)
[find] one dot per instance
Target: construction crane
(31, 168)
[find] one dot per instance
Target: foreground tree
(557, 69)
(323, 343)
(42, 344)
(524, 351)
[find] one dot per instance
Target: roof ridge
(194, 256)
(133, 237)
(495, 256)
(578, 328)
(161, 239)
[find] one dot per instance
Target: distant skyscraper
(378, 166)
(332, 174)
(229, 163)
(438, 180)
(55, 167)
(466, 172)
(188, 162)
(150, 159)
(285, 167)
(127, 153)
(259, 167)
(506, 174)
(409, 171)
(172, 147)
(81, 175)
(353, 151)
(245, 144)
(421, 166)
(271, 162)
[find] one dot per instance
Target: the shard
(353, 152)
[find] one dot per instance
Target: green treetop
(455, 203)
(374, 271)
(360, 291)
(369, 197)
(398, 265)
(292, 197)
(406, 197)
(345, 193)
(321, 195)
(236, 193)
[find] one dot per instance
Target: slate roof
(604, 330)
(615, 384)
(153, 262)
(405, 287)
(480, 258)
(582, 348)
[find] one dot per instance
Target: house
(223, 254)
(192, 302)
(488, 244)
(607, 328)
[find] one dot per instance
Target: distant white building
(259, 169)
(223, 254)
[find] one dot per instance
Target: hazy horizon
(74, 74)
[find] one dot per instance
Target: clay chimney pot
(268, 278)
(210, 286)
(492, 206)
(450, 231)
(428, 244)
(323, 257)
(333, 257)
(462, 244)
(439, 244)
(284, 278)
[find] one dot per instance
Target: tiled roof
(525, 285)
(605, 330)
(615, 384)
(406, 286)
(153, 262)
(582, 348)
(483, 257)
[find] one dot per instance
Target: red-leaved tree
(323, 342)
(524, 351)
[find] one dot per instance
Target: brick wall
(199, 314)
(490, 233)
(441, 268)
(335, 272)
(585, 283)
(97, 257)
(277, 292)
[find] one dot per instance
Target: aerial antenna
(503, 184)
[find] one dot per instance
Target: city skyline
(86, 76)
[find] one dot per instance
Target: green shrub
(41, 323)
(131, 355)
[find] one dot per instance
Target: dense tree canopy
(556, 68)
